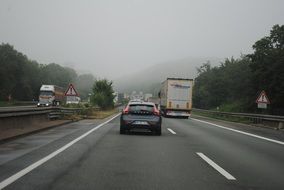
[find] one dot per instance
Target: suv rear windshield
(141, 108)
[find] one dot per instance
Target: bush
(103, 94)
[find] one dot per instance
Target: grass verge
(101, 114)
(91, 114)
(223, 117)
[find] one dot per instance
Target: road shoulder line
(242, 132)
(171, 131)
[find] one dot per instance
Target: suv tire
(122, 130)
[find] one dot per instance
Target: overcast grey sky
(113, 37)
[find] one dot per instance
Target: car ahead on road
(141, 115)
(135, 101)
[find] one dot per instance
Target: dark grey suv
(141, 115)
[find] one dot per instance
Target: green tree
(8, 65)
(103, 94)
(21, 78)
(236, 83)
(236, 74)
(268, 67)
(227, 86)
(18, 75)
(57, 75)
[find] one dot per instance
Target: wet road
(190, 154)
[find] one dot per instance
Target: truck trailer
(50, 95)
(176, 97)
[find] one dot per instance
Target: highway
(190, 154)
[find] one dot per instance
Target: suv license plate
(140, 123)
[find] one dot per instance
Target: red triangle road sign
(262, 98)
(71, 91)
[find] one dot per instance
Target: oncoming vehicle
(141, 115)
(50, 95)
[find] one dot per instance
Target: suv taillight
(125, 110)
(156, 111)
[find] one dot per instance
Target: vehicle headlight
(46, 104)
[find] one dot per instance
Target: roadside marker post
(262, 100)
(71, 91)
(71, 95)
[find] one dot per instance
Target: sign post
(71, 95)
(262, 100)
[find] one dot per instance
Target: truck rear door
(179, 95)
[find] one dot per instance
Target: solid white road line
(171, 131)
(26, 170)
(244, 133)
(216, 166)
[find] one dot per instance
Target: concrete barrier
(20, 123)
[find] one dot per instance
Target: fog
(112, 38)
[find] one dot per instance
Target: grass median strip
(91, 114)
(101, 114)
(222, 117)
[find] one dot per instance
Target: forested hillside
(236, 83)
(232, 86)
(149, 80)
(21, 78)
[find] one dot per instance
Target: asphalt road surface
(190, 154)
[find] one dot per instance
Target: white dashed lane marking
(216, 166)
(171, 131)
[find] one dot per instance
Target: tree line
(236, 83)
(21, 78)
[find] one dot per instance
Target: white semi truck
(176, 97)
(50, 95)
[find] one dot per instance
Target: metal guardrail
(255, 117)
(24, 112)
(51, 112)
(56, 114)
